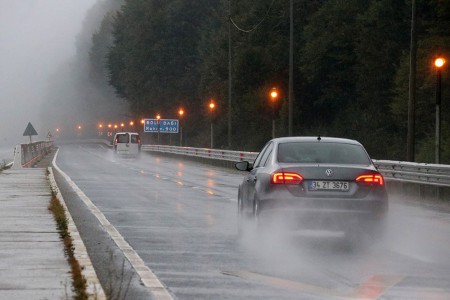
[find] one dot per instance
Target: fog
(37, 37)
(412, 238)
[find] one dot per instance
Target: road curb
(93, 286)
(147, 278)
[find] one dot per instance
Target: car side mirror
(243, 166)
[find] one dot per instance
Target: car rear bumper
(323, 213)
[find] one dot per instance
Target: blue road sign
(150, 125)
(163, 125)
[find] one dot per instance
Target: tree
(328, 60)
(433, 39)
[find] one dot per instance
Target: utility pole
(291, 69)
(229, 74)
(410, 141)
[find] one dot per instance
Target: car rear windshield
(134, 139)
(322, 153)
(122, 138)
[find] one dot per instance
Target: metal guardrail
(418, 173)
(204, 152)
(398, 171)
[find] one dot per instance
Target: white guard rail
(204, 152)
(418, 173)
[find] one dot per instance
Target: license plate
(318, 185)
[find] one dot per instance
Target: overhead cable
(257, 25)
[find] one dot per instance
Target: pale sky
(36, 37)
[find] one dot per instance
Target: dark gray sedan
(313, 184)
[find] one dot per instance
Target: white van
(127, 144)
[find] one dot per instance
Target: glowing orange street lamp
(131, 123)
(212, 105)
(439, 64)
(181, 113)
(273, 98)
(274, 94)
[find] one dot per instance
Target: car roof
(317, 139)
(127, 133)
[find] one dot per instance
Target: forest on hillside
(351, 69)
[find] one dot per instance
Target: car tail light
(286, 178)
(371, 179)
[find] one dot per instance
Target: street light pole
(212, 135)
(158, 117)
(181, 113)
(273, 97)
(439, 63)
(212, 106)
(143, 130)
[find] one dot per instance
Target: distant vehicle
(313, 183)
(127, 144)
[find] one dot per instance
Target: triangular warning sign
(29, 131)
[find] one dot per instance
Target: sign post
(30, 131)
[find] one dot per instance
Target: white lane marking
(94, 287)
(148, 278)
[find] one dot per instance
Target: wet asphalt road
(180, 218)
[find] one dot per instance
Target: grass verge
(78, 280)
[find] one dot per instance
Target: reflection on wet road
(180, 218)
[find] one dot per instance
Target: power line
(257, 25)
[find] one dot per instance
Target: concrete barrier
(26, 154)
